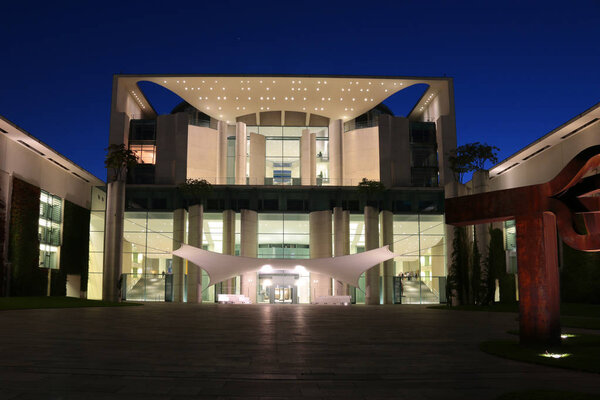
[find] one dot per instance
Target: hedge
(580, 276)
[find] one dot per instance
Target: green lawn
(583, 352)
(547, 395)
(21, 303)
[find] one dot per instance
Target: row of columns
(320, 242)
(256, 169)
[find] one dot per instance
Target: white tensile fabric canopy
(347, 269)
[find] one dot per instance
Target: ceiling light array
(141, 103)
(297, 87)
(429, 98)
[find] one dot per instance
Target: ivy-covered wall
(74, 252)
(26, 279)
(580, 276)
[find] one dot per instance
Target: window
(50, 220)
(146, 153)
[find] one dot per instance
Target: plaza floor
(180, 351)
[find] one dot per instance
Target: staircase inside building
(417, 292)
(148, 288)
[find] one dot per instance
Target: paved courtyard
(180, 351)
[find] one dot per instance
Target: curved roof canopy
(347, 269)
(226, 97)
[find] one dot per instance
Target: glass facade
(419, 239)
(49, 230)
(283, 235)
(96, 260)
(148, 243)
(510, 244)
(282, 153)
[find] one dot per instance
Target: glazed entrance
(278, 288)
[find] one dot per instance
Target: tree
(471, 157)
(195, 190)
(370, 187)
(458, 274)
(496, 263)
(119, 159)
(476, 271)
(483, 153)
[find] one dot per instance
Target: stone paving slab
(179, 351)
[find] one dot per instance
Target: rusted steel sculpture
(538, 210)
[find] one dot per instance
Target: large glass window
(419, 240)
(146, 153)
(96, 260)
(50, 221)
(284, 236)
(147, 259)
(282, 153)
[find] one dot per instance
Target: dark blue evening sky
(520, 68)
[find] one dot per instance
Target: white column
(249, 248)
(320, 246)
(386, 220)
(194, 279)
(222, 156)
(308, 158)
(228, 286)
(178, 263)
(113, 241)
(257, 159)
(341, 242)
(372, 242)
(241, 145)
(336, 129)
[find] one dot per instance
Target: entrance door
(283, 294)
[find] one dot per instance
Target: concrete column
(308, 158)
(336, 129)
(249, 248)
(222, 156)
(178, 263)
(228, 286)
(341, 242)
(386, 221)
(320, 246)
(171, 149)
(257, 159)
(194, 279)
(372, 242)
(241, 145)
(113, 241)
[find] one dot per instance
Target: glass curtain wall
(283, 235)
(282, 148)
(147, 259)
(96, 260)
(419, 239)
(212, 240)
(50, 221)
(357, 245)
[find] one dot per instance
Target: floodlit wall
(38, 171)
(202, 154)
(547, 164)
(360, 155)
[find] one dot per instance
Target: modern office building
(537, 163)
(44, 217)
(284, 155)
